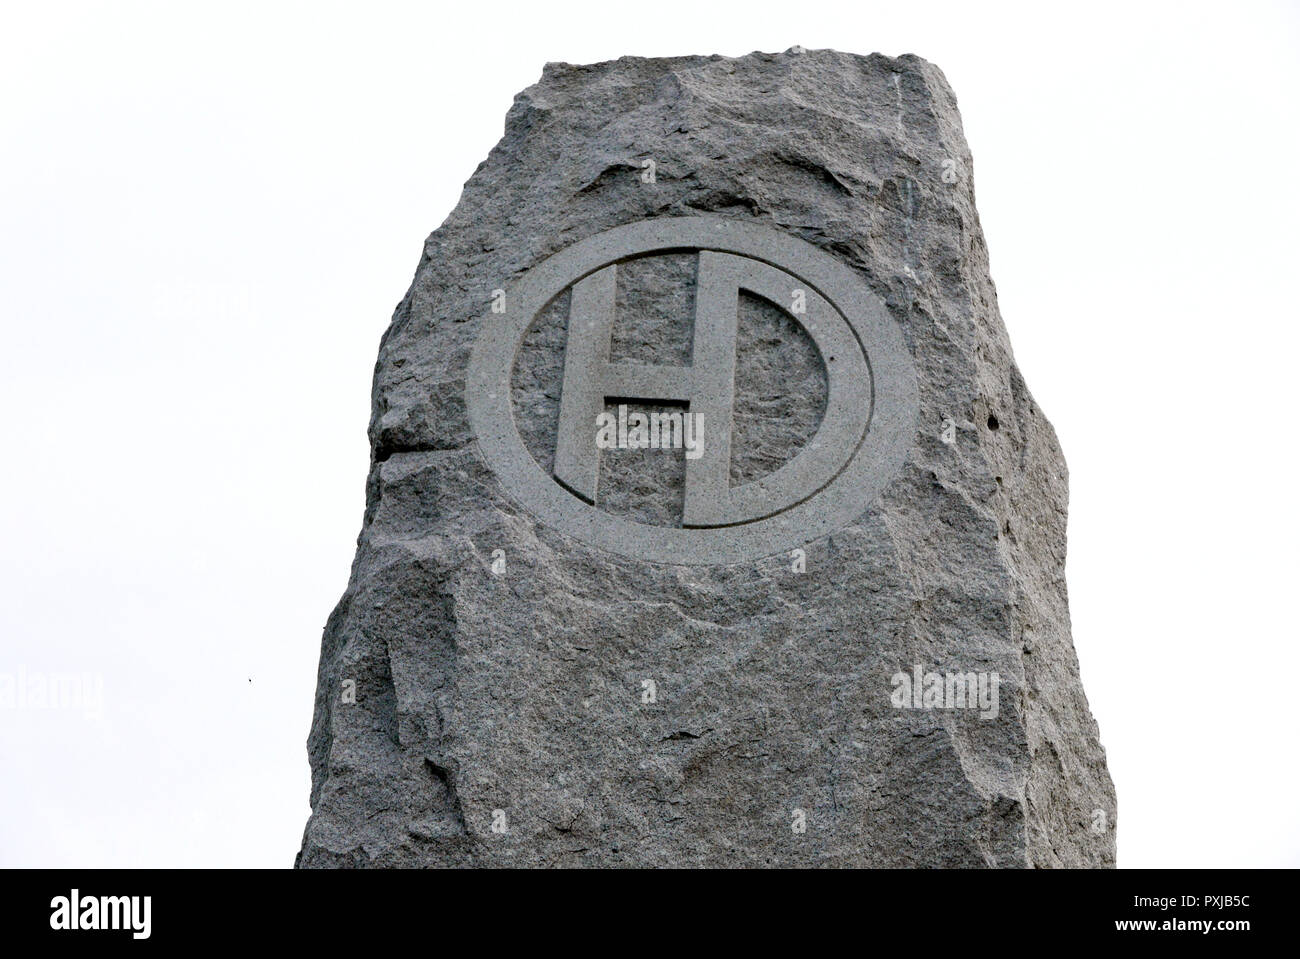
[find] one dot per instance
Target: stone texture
(522, 692)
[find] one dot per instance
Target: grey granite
(493, 691)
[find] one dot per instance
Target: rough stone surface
(517, 697)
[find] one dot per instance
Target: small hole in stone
(993, 422)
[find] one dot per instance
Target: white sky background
(207, 217)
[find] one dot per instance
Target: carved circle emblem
(861, 442)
